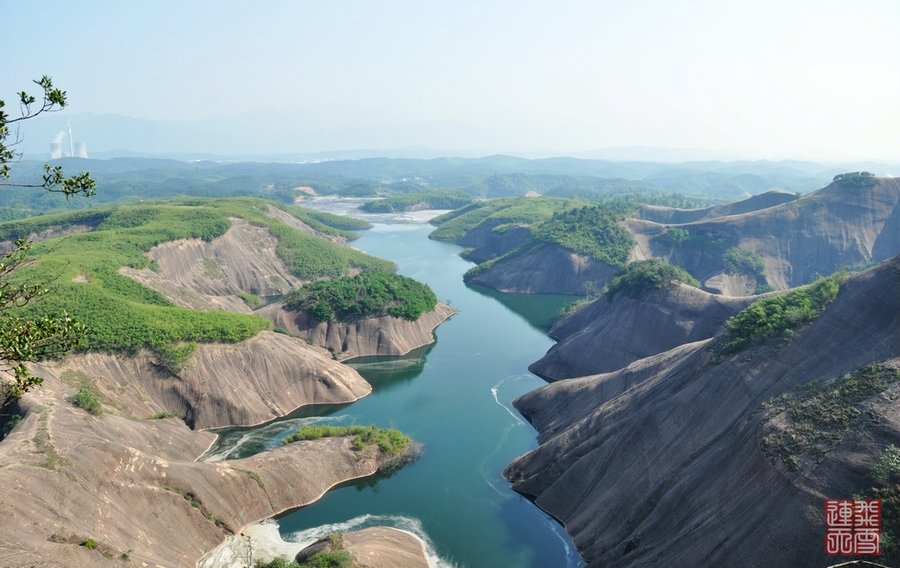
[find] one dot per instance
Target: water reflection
(388, 372)
(539, 310)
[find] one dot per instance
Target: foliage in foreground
(391, 442)
(367, 294)
(641, 276)
(780, 315)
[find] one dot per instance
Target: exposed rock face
(659, 463)
(838, 226)
(548, 268)
(206, 275)
(673, 215)
(373, 547)
(385, 335)
(51, 233)
(606, 335)
(486, 243)
(384, 547)
(132, 484)
(254, 381)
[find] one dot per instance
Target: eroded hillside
(697, 456)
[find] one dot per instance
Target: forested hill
(132, 179)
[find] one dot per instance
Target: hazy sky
(762, 78)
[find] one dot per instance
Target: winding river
(454, 398)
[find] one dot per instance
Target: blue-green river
(454, 398)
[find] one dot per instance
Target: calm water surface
(453, 397)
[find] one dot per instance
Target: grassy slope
(122, 314)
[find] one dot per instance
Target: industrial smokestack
(71, 141)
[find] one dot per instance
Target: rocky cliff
(662, 462)
(840, 226)
(250, 382)
(486, 242)
(836, 227)
(208, 275)
(608, 334)
(547, 268)
(384, 335)
(131, 484)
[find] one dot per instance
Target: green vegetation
(88, 400)
(438, 199)
(337, 557)
(710, 242)
(89, 543)
(391, 442)
(738, 260)
(642, 276)
(856, 179)
(816, 416)
(174, 357)
(590, 230)
(162, 415)
(779, 315)
(495, 212)
(674, 236)
(252, 300)
(125, 315)
(22, 339)
(365, 295)
(327, 223)
(887, 469)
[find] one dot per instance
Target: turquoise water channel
(454, 398)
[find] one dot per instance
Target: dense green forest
(643, 276)
(364, 295)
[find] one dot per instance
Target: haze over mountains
(271, 135)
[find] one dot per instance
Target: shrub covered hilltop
(126, 316)
(368, 294)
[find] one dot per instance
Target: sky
(812, 79)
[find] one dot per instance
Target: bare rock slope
(548, 268)
(384, 335)
(660, 463)
(207, 275)
(674, 215)
(836, 227)
(132, 485)
(608, 334)
(839, 226)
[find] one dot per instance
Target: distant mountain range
(339, 134)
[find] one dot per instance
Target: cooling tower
(81, 150)
(55, 150)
